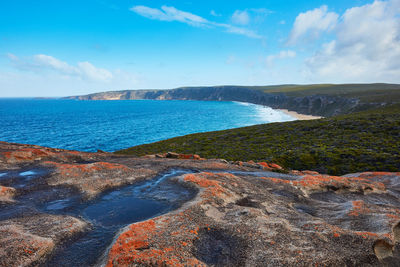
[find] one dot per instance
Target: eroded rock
(6, 193)
(93, 178)
(315, 182)
(27, 241)
(218, 228)
(243, 215)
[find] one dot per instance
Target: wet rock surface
(67, 208)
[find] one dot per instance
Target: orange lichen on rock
(276, 180)
(135, 246)
(270, 166)
(31, 154)
(174, 155)
(214, 165)
(6, 190)
(310, 172)
(201, 180)
(26, 154)
(205, 180)
(301, 173)
(336, 234)
(29, 248)
(326, 182)
(275, 166)
(226, 175)
(6, 193)
(128, 245)
(26, 241)
(366, 235)
(189, 156)
(358, 207)
(378, 174)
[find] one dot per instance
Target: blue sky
(59, 48)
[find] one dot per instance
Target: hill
(318, 99)
(362, 141)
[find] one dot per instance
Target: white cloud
(40, 63)
(93, 73)
(250, 15)
(215, 14)
(284, 54)
(43, 75)
(241, 31)
(167, 13)
(241, 17)
(311, 24)
(366, 47)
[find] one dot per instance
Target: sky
(62, 48)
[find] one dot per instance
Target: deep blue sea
(114, 125)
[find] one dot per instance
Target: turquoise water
(114, 125)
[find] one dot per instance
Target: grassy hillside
(367, 93)
(364, 141)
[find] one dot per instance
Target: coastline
(299, 116)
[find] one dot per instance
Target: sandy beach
(300, 116)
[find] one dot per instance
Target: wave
(243, 103)
(267, 114)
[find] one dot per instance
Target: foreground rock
(243, 215)
(28, 240)
(252, 221)
(6, 193)
(93, 178)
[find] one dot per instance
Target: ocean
(114, 125)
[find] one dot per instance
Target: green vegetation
(367, 93)
(363, 141)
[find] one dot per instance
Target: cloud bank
(366, 47)
(284, 54)
(39, 63)
(169, 13)
(311, 24)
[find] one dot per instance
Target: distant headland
(316, 99)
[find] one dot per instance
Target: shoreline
(293, 114)
(298, 116)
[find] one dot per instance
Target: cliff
(311, 99)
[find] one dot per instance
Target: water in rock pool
(108, 213)
(114, 125)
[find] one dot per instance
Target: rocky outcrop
(29, 240)
(6, 193)
(253, 222)
(244, 213)
(12, 154)
(93, 178)
(173, 155)
(318, 104)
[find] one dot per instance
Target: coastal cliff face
(240, 213)
(318, 104)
